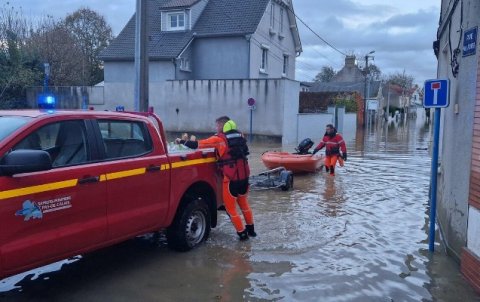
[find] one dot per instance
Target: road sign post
(251, 105)
(436, 96)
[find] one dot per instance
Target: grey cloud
(311, 9)
(408, 20)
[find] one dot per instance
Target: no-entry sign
(436, 94)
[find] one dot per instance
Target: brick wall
(470, 268)
(470, 261)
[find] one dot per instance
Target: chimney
(350, 61)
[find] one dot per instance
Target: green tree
(325, 75)
(91, 34)
(17, 68)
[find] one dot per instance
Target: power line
(324, 41)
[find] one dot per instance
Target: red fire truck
(75, 181)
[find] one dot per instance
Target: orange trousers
(331, 161)
(231, 202)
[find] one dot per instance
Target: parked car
(76, 181)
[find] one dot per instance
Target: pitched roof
(177, 3)
(219, 18)
(230, 17)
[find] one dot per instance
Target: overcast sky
(400, 31)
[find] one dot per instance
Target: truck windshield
(8, 124)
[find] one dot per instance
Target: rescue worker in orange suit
(232, 151)
(333, 143)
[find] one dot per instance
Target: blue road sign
(469, 42)
(436, 94)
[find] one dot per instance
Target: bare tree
(374, 71)
(91, 34)
(12, 21)
(52, 43)
(401, 79)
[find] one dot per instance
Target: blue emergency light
(46, 101)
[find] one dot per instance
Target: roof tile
(220, 17)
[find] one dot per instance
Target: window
(66, 142)
(264, 63)
(176, 21)
(8, 124)
(285, 65)
(272, 16)
(281, 19)
(184, 64)
(124, 138)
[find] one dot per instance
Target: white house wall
(278, 43)
(457, 131)
(220, 58)
(200, 102)
(120, 81)
(290, 111)
(185, 73)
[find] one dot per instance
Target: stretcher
(271, 179)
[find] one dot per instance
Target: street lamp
(366, 90)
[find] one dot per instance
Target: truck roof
(36, 113)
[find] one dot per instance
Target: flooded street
(359, 236)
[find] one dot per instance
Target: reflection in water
(363, 234)
(359, 236)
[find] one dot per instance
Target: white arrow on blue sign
(436, 93)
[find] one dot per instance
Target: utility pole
(141, 57)
(366, 90)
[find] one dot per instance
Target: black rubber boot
(326, 169)
(332, 170)
(251, 230)
(243, 235)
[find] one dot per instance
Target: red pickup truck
(75, 181)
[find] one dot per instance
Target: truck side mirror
(25, 161)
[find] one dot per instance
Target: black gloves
(344, 156)
(315, 151)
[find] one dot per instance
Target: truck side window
(124, 138)
(64, 141)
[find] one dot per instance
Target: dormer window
(176, 21)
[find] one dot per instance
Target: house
(208, 57)
(350, 72)
(210, 39)
(458, 190)
(348, 83)
(305, 86)
(350, 79)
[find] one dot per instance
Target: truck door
(137, 175)
(52, 214)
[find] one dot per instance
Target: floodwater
(359, 236)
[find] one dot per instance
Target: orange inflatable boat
(297, 163)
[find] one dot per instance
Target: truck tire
(287, 178)
(190, 227)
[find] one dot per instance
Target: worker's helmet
(230, 125)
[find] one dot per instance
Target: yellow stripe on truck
(38, 189)
(193, 162)
(104, 177)
(126, 173)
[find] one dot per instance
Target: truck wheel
(190, 227)
(287, 177)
